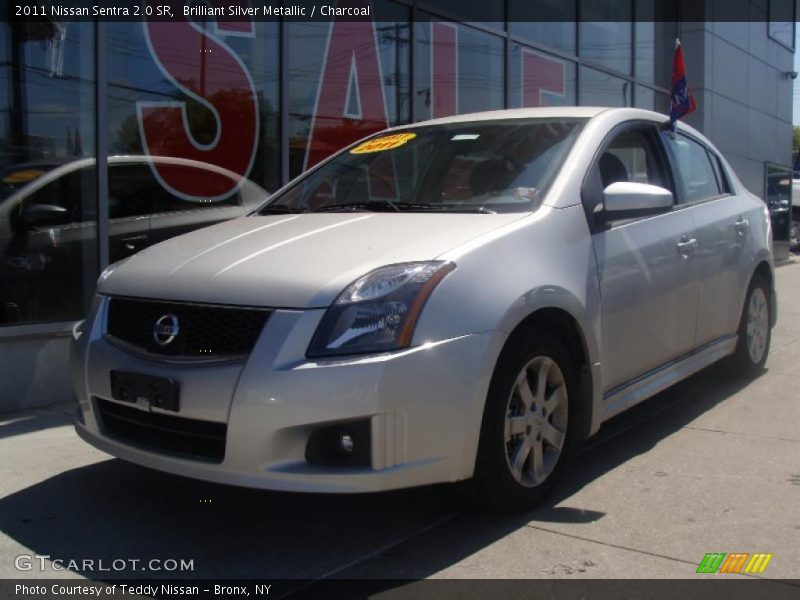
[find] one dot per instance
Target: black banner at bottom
(704, 587)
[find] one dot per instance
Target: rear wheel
(526, 433)
(755, 331)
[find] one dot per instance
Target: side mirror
(44, 215)
(627, 199)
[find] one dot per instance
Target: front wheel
(526, 434)
(755, 330)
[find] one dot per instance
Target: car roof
(555, 112)
(550, 112)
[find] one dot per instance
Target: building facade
(117, 135)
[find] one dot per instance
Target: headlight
(379, 311)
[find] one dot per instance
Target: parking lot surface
(711, 465)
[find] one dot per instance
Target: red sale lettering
(207, 71)
(444, 70)
(350, 101)
(541, 76)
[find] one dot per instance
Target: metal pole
(101, 141)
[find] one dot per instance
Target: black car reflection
(48, 225)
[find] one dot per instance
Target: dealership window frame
(509, 39)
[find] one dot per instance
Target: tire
(794, 234)
(755, 331)
(507, 479)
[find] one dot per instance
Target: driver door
(646, 265)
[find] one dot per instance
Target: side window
(631, 157)
(130, 190)
(65, 192)
(695, 168)
(719, 171)
(133, 191)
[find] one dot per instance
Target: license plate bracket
(158, 392)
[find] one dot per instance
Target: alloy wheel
(536, 421)
(757, 325)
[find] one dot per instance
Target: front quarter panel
(545, 261)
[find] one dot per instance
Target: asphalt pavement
(711, 465)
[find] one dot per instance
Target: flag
(682, 101)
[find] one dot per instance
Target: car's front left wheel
(526, 434)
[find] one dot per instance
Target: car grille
(191, 438)
(205, 331)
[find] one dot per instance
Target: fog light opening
(344, 444)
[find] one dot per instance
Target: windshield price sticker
(23, 176)
(386, 142)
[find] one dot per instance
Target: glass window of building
(458, 70)
(606, 34)
(223, 77)
(601, 89)
(655, 45)
(650, 99)
(548, 22)
(536, 78)
(48, 244)
(347, 79)
(193, 115)
(489, 14)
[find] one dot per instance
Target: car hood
(289, 261)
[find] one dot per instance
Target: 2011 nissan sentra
(454, 300)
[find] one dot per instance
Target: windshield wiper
(464, 208)
(378, 206)
(371, 205)
(278, 209)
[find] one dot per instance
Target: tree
(795, 140)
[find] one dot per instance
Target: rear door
(144, 212)
(722, 219)
(174, 214)
(646, 265)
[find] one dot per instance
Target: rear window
(696, 170)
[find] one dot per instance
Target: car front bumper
(423, 407)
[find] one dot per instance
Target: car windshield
(490, 166)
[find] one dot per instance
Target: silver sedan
(455, 300)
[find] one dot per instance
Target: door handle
(686, 246)
(741, 225)
(131, 242)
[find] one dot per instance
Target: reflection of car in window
(459, 299)
(48, 225)
(18, 176)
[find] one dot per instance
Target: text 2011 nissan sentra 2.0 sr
(459, 299)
